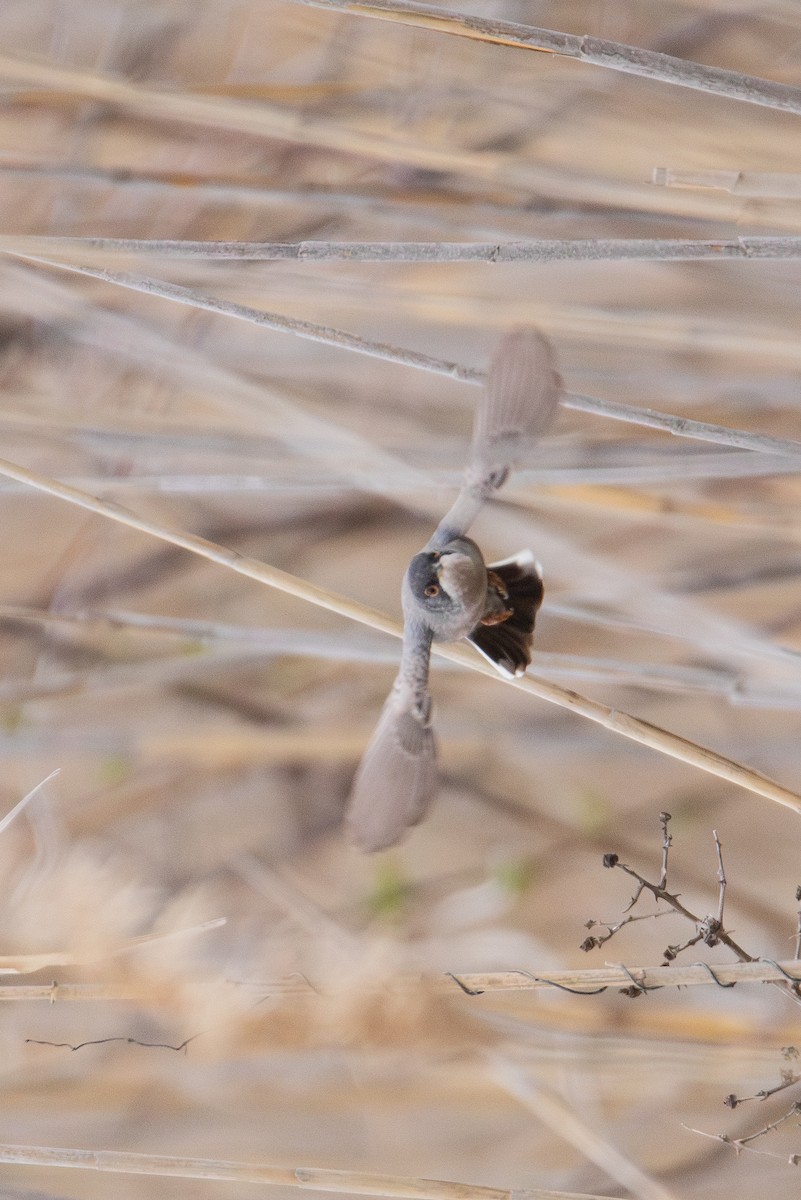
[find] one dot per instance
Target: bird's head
(447, 589)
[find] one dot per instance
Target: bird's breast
(463, 577)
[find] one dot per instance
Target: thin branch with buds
(708, 929)
(743, 1143)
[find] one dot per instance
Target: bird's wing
(397, 776)
(507, 643)
(517, 406)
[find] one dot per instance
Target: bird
(450, 593)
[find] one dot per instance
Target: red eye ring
(432, 590)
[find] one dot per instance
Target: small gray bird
(449, 593)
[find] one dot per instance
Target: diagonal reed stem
(648, 417)
(619, 722)
(616, 56)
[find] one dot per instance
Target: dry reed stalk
(581, 981)
(599, 52)
(315, 1179)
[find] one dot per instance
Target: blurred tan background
(206, 728)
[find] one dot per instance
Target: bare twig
(789, 1078)
(709, 929)
(721, 878)
(664, 818)
(130, 1041)
(595, 941)
(740, 1144)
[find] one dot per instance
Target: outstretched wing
(518, 405)
(397, 777)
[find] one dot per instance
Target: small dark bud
(710, 929)
(632, 992)
(611, 860)
(670, 953)
(731, 1100)
(664, 817)
(589, 943)
(798, 892)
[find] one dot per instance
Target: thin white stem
(650, 418)
(572, 1128)
(17, 809)
(537, 250)
(232, 643)
(27, 964)
(616, 721)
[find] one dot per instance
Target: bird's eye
(432, 590)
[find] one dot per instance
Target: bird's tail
(519, 404)
(507, 642)
(396, 780)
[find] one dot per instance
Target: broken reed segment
(774, 185)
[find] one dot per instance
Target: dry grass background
(206, 727)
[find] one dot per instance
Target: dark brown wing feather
(508, 643)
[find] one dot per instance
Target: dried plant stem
(650, 418)
(316, 1179)
(20, 805)
(615, 975)
(472, 983)
(618, 722)
(537, 250)
(569, 1126)
(617, 56)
